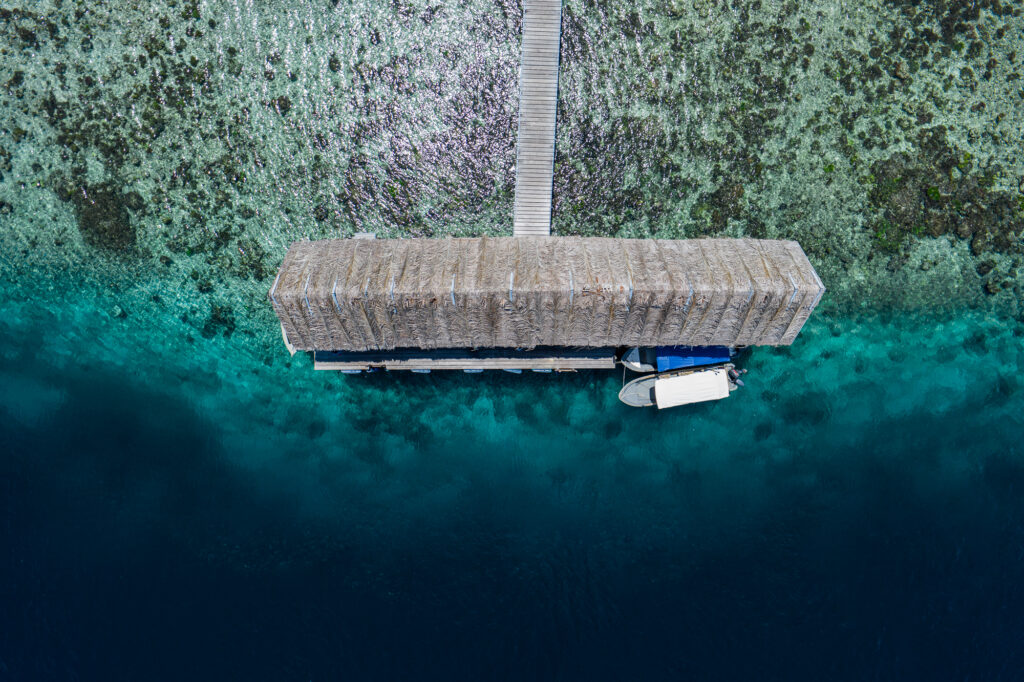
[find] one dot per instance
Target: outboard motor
(735, 374)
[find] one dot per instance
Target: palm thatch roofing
(523, 292)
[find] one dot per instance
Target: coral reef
(938, 190)
(103, 219)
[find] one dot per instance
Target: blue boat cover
(678, 357)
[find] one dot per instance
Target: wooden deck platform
(557, 359)
(538, 97)
(376, 295)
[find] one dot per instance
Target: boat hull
(643, 391)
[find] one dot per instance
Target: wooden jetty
(388, 295)
(533, 301)
(538, 98)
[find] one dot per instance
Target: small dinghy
(679, 388)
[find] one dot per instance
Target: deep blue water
(769, 536)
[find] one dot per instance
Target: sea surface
(181, 499)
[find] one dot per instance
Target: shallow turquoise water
(178, 497)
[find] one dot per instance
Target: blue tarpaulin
(678, 357)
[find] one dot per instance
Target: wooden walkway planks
(538, 97)
(558, 359)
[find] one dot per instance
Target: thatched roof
(508, 292)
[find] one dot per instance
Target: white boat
(670, 389)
